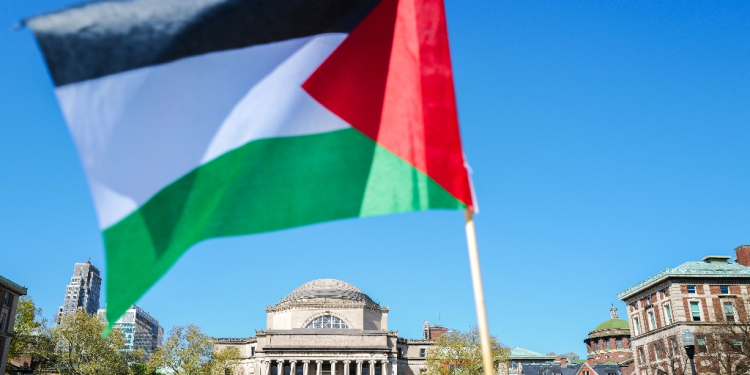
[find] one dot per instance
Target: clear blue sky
(609, 140)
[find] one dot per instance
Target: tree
(75, 347)
(29, 324)
(460, 353)
(188, 351)
(725, 348)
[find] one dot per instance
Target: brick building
(9, 294)
(692, 296)
(609, 342)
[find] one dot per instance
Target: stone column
(372, 368)
(359, 367)
(319, 369)
(333, 367)
(305, 365)
(346, 367)
(267, 367)
(384, 368)
(293, 369)
(279, 367)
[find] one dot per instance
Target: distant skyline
(609, 141)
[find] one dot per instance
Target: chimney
(743, 255)
(591, 360)
(563, 361)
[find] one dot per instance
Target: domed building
(609, 342)
(328, 327)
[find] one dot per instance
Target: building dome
(327, 289)
(612, 324)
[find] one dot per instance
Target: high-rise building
(82, 292)
(139, 329)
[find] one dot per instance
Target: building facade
(139, 329)
(9, 292)
(609, 343)
(565, 368)
(329, 327)
(82, 292)
(693, 296)
(520, 357)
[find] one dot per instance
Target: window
(691, 289)
(657, 350)
(642, 355)
(3, 318)
(724, 289)
(634, 305)
(252, 351)
(652, 319)
(619, 343)
(423, 353)
(298, 369)
(637, 325)
(365, 368)
(327, 321)
(675, 349)
(695, 311)
(377, 369)
(737, 344)
(648, 299)
(701, 341)
(668, 314)
(586, 373)
(729, 311)
(606, 344)
(6, 300)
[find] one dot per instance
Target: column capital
(305, 361)
(360, 360)
(347, 361)
(385, 361)
(334, 361)
(318, 361)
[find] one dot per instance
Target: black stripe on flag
(100, 38)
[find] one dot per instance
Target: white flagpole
(476, 280)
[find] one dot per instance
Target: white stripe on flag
(139, 131)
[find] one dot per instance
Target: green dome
(612, 324)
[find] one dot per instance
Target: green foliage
(460, 353)
(188, 351)
(75, 347)
(29, 323)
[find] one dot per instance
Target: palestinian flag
(206, 118)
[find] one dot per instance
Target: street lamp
(688, 341)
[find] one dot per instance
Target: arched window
(327, 321)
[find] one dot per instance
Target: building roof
(612, 324)
(553, 369)
(706, 268)
(18, 289)
(521, 353)
(327, 288)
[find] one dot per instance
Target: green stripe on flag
(263, 186)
